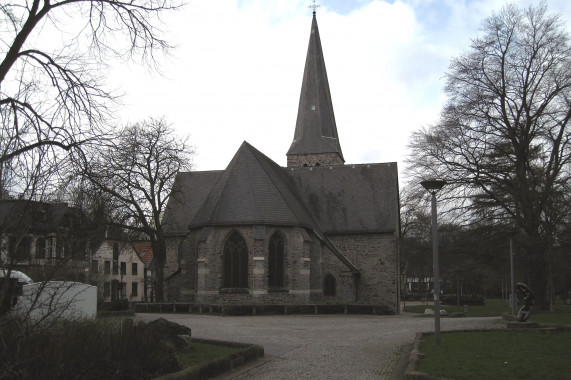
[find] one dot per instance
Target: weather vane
(314, 6)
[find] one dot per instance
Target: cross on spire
(314, 6)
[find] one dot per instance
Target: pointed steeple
(315, 140)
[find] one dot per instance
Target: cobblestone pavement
(320, 346)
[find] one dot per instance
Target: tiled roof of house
(145, 251)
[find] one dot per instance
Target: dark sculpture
(526, 294)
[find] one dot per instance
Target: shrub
(85, 350)
(120, 304)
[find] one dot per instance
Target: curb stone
(248, 353)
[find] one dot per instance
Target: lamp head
(433, 185)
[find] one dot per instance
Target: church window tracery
(235, 262)
(276, 277)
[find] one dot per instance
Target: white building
(119, 271)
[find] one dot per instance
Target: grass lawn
(546, 318)
(498, 355)
(495, 307)
(200, 353)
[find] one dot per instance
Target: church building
(316, 231)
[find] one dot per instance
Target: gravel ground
(321, 346)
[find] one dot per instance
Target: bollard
(465, 309)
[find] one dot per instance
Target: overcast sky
(237, 69)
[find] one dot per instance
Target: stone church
(316, 231)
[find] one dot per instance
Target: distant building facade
(120, 270)
(315, 231)
(36, 237)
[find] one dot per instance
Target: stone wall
(306, 263)
(344, 278)
(201, 266)
(322, 159)
(376, 256)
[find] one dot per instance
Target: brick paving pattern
(320, 346)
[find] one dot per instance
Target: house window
(115, 258)
(123, 269)
(235, 262)
(24, 248)
(123, 290)
(134, 269)
(329, 284)
(59, 247)
(107, 269)
(19, 250)
(134, 289)
(50, 246)
(107, 288)
(276, 261)
(40, 248)
(115, 252)
(94, 267)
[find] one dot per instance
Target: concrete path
(320, 346)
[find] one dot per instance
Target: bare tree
(52, 95)
(54, 103)
(503, 138)
(138, 171)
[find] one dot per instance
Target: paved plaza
(320, 346)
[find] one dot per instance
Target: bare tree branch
(503, 138)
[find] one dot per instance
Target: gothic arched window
(329, 285)
(235, 262)
(276, 262)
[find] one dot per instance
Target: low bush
(83, 350)
(120, 304)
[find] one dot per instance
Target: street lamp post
(433, 186)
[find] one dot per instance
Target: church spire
(315, 140)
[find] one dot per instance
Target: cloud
(237, 72)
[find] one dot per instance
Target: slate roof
(34, 217)
(189, 192)
(351, 198)
(315, 128)
(254, 190)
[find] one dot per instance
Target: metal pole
(436, 271)
(513, 301)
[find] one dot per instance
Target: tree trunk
(536, 276)
(159, 255)
(159, 283)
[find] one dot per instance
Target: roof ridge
(219, 188)
(282, 172)
(287, 179)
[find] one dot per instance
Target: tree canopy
(136, 172)
(502, 141)
(53, 60)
